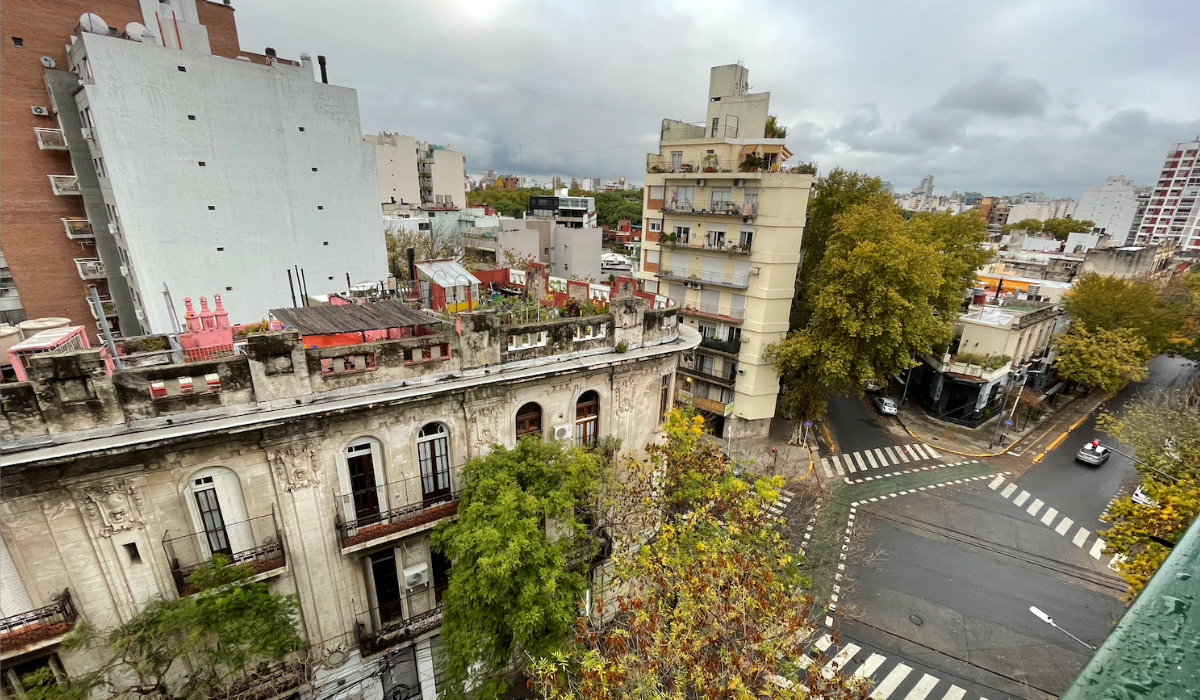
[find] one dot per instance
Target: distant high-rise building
(925, 188)
(418, 173)
(574, 184)
(1172, 212)
(555, 182)
(1112, 206)
(889, 187)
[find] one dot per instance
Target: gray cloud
(992, 97)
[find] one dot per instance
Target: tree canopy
(1061, 228)
(613, 206)
(1099, 302)
(195, 647)
(832, 195)
(885, 288)
(508, 202)
(1163, 428)
(1102, 359)
(710, 605)
(511, 590)
(1185, 292)
(1030, 225)
(774, 129)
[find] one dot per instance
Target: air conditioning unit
(124, 270)
(700, 182)
(562, 432)
(739, 183)
(114, 228)
(40, 111)
(141, 315)
(416, 576)
(754, 270)
(87, 132)
(741, 372)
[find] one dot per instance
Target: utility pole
(1003, 405)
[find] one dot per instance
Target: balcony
(78, 229)
(726, 377)
(717, 279)
(737, 169)
(387, 512)
(709, 405)
(255, 543)
(728, 347)
(51, 139)
(65, 185)
(40, 627)
(109, 306)
(390, 627)
(90, 269)
(723, 208)
(715, 312)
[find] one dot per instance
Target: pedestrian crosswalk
(1079, 537)
(876, 458)
(776, 509)
(892, 679)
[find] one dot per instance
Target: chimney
(321, 63)
(189, 317)
(220, 315)
(270, 52)
(206, 316)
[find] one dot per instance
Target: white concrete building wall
(1112, 206)
(396, 156)
(1028, 210)
(449, 176)
(576, 253)
(286, 182)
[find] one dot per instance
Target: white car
(1142, 499)
(886, 406)
(1093, 453)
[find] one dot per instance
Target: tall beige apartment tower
(724, 218)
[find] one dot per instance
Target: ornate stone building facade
(323, 469)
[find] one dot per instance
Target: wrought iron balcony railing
(255, 542)
(35, 626)
(392, 508)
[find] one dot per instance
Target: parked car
(872, 388)
(1142, 499)
(1093, 453)
(886, 406)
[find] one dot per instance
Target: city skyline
(1001, 102)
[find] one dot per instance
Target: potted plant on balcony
(667, 238)
(751, 164)
(710, 163)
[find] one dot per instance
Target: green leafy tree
(774, 129)
(1030, 225)
(1185, 293)
(508, 202)
(1101, 360)
(198, 646)
(1163, 428)
(512, 593)
(1099, 302)
(887, 288)
(711, 605)
(832, 196)
(1061, 228)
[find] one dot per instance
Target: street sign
(807, 424)
(1007, 424)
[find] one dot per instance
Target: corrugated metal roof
(446, 273)
(324, 320)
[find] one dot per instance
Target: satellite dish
(93, 23)
(48, 62)
(137, 31)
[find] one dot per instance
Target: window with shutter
(14, 599)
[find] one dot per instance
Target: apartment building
(575, 241)
(231, 175)
(417, 173)
(44, 213)
(322, 462)
(1113, 207)
(1042, 211)
(1172, 212)
(724, 219)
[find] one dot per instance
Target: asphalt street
(1083, 491)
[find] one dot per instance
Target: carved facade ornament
(485, 425)
(625, 400)
(295, 465)
(115, 504)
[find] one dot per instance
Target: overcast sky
(997, 97)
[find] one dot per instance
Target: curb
(941, 448)
(1063, 436)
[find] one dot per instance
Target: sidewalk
(977, 441)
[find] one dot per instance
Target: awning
(351, 318)
(446, 273)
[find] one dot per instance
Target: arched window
(587, 419)
(219, 512)
(529, 420)
(362, 482)
(433, 454)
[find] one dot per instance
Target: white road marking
(1080, 537)
(872, 664)
(871, 459)
(916, 448)
(893, 680)
(1051, 514)
(861, 465)
(825, 466)
(996, 483)
(1064, 526)
(932, 453)
(1035, 507)
(837, 465)
(1097, 549)
(1008, 490)
(901, 455)
(836, 663)
(882, 459)
(823, 643)
(892, 454)
(922, 688)
(955, 693)
(1020, 499)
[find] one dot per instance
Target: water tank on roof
(9, 336)
(93, 23)
(37, 325)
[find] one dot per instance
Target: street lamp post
(1050, 621)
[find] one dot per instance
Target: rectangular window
(655, 225)
(746, 239)
(664, 398)
(656, 192)
(652, 256)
